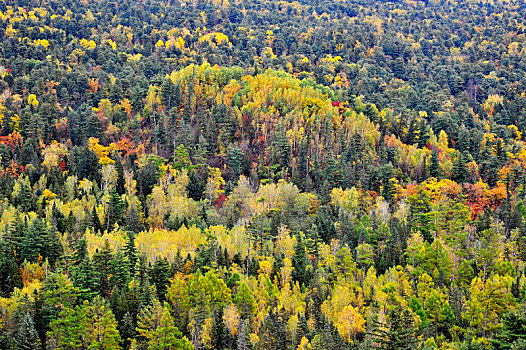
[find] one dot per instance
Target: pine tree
(181, 158)
(243, 341)
(103, 270)
(513, 333)
(156, 325)
(103, 326)
(26, 336)
(195, 187)
(460, 170)
(130, 251)
(115, 210)
(82, 271)
(400, 332)
(160, 277)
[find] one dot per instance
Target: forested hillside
(262, 174)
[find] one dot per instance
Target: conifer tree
(399, 333)
(156, 325)
(115, 210)
(26, 337)
(160, 276)
(82, 271)
(460, 170)
(130, 251)
(243, 341)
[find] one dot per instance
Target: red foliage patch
(220, 201)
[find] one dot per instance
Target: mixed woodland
(262, 174)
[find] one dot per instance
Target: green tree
(460, 170)
(398, 333)
(115, 210)
(85, 327)
(156, 325)
(513, 333)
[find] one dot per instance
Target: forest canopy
(229, 174)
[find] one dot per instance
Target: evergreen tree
(159, 276)
(234, 163)
(39, 242)
(300, 262)
(119, 188)
(388, 181)
(282, 148)
(513, 333)
(82, 271)
(399, 333)
(103, 333)
(115, 210)
(167, 93)
(26, 337)
(103, 270)
(460, 170)
(9, 271)
(120, 266)
(195, 187)
(130, 251)
(156, 325)
(133, 220)
(243, 341)
(95, 221)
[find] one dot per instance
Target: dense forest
(262, 174)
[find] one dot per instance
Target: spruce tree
(299, 262)
(243, 341)
(103, 270)
(132, 221)
(160, 276)
(130, 251)
(234, 163)
(119, 188)
(115, 210)
(398, 334)
(460, 170)
(513, 333)
(26, 336)
(195, 187)
(82, 271)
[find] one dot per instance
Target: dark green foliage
(82, 273)
(40, 242)
(398, 333)
(460, 170)
(513, 333)
(160, 274)
(195, 186)
(115, 211)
